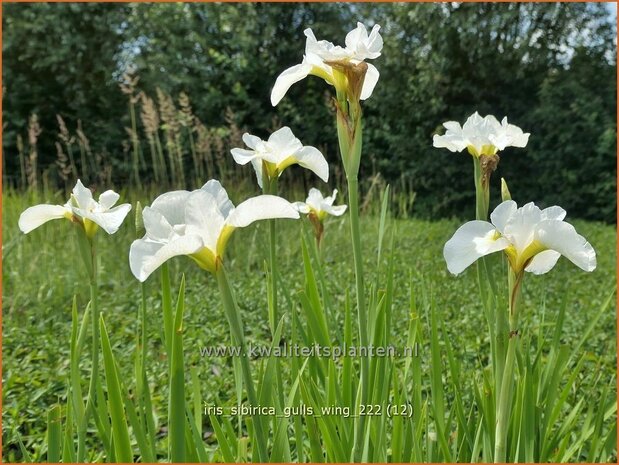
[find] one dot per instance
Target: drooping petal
(262, 207)
(337, 210)
(369, 82)
(502, 213)
(301, 207)
(172, 206)
(257, 164)
(145, 256)
(34, 217)
(108, 199)
(215, 188)
(242, 156)
(563, 238)
(543, 262)
(110, 220)
(470, 242)
(453, 139)
(311, 158)
(509, 135)
(286, 79)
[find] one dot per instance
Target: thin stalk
(270, 187)
(349, 131)
(503, 408)
(135, 142)
(355, 230)
(154, 158)
(83, 162)
(196, 164)
(90, 262)
(482, 193)
(179, 155)
(238, 338)
(161, 157)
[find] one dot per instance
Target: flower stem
(482, 192)
(270, 187)
(238, 339)
(355, 230)
(89, 257)
(349, 131)
(503, 407)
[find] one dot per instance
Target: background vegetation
(42, 274)
(159, 93)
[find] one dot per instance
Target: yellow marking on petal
(488, 150)
(90, 227)
(472, 150)
(321, 73)
(226, 232)
(288, 161)
(270, 170)
(205, 259)
(531, 251)
(518, 262)
(512, 257)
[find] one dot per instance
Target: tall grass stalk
(238, 339)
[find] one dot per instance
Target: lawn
(42, 272)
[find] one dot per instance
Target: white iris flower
(321, 54)
(320, 206)
(197, 224)
(281, 150)
(532, 239)
(81, 208)
(481, 136)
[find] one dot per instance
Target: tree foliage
(549, 67)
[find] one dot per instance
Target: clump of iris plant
(88, 216)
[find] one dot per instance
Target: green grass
(43, 271)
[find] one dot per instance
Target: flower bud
(505, 194)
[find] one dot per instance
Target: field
(42, 272)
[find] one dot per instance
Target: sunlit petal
(108, 199)
(286, 79)
(145, 256)
(563, 238)
(543, 262)
(34, 217)
(502, 214)
(311, 158)
(369, 82)
(470, 242)
(262, 207)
